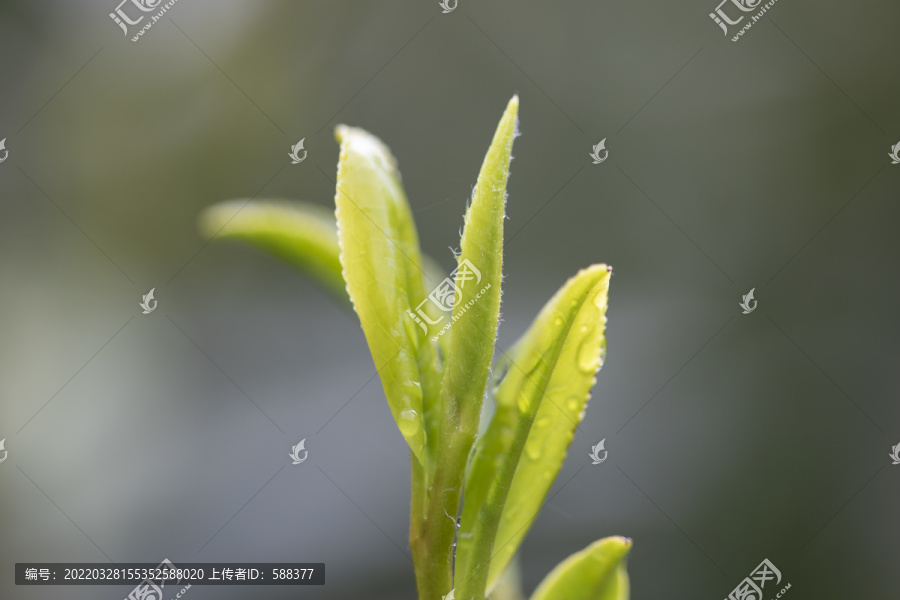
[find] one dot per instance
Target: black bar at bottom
(166, 573)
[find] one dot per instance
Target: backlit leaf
(383, 271)
(545, 383)
(479, 273)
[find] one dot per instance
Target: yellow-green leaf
(583, 300)
(478, 276)
(473, 294)
(596, 573)
(383, 271)
(539, 402)
(300, 233)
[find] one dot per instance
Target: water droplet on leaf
(409, 422)
(534, 446)
(588, 359)
(524, 403)
(533, 450)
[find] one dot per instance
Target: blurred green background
(732, 438)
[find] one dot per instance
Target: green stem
(472, 578)
(431, 539)
(418, 493)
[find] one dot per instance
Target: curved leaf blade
(545, 391)
(383, 271)
(560, 410)
(596, 573)
(504, 490)
(302, 234)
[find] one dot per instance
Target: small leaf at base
(596, 573)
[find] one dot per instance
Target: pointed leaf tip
(478, 278)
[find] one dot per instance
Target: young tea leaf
(539, 403)
(474, 296)
(562, 404)
(477, 310)
(300, 233)
(596, 573)
(383, 271)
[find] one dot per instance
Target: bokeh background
(732, 438)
